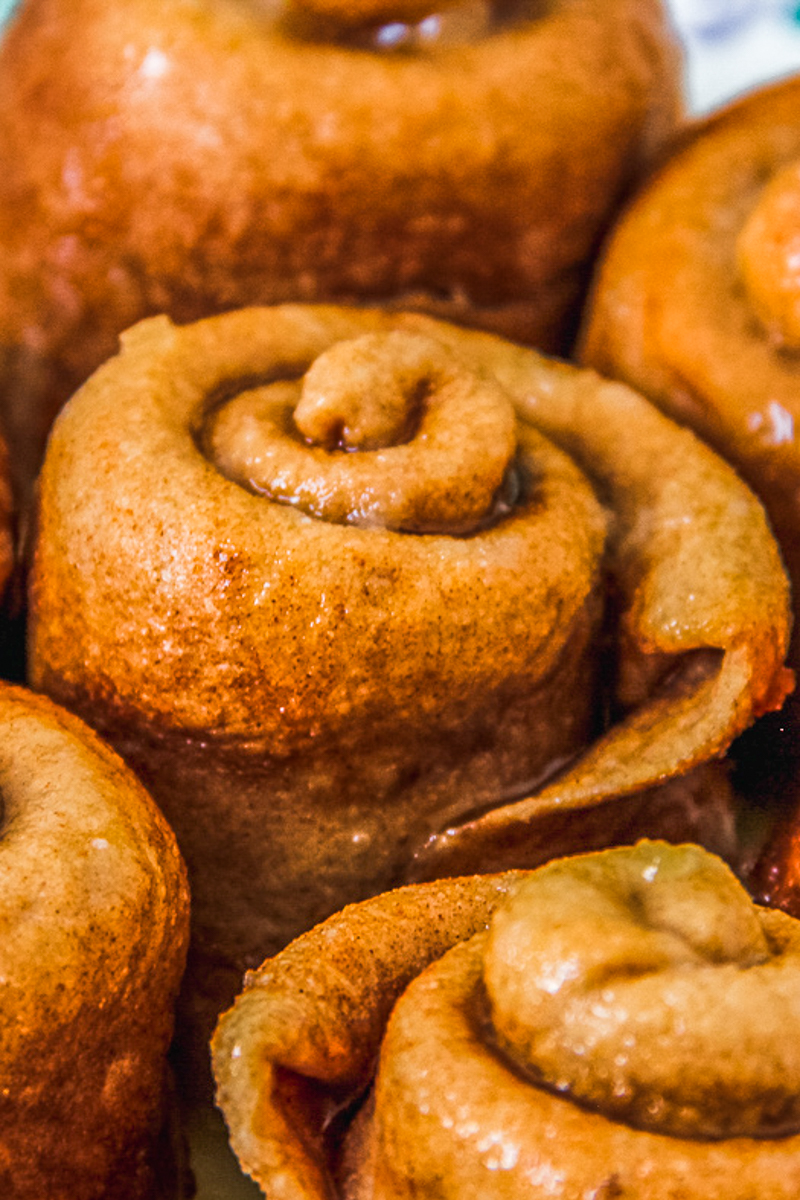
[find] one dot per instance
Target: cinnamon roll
(95, 911)
(342, 588)
(612, 1024)
(461, 158)
(696, 304)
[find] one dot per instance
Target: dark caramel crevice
(416, 31)
(322, 1116)
(229, 389)
(318, 1113)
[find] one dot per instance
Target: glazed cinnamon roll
(696, 304)
(94, 909)
(461, 158)
(338, 591)
(609, 1025)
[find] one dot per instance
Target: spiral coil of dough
(367, 395)
(560, 1032)
(359, 641)
(612, 979)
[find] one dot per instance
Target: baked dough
(619, 1029)
(693, 305)
(94, 909)
(198, 155)
(333, 581)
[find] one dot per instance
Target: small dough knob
(365, 394)
(643, 983)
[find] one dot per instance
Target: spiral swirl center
(366, 394)
(644, 984)
(386, 430)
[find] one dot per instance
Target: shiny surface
(323, 709)
(644, 986)
(191, 157)
(436, 440)
(449, 1115)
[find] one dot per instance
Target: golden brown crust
(670, 312)
(645, 984)
(448, 1114)
(95, 918)
(767, 257)
(321, 707)
(309, 699)
(675, 313)
(310, 170)
(329, 1030)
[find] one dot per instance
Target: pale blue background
(732, 45)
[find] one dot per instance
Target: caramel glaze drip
(644, 984)
(385, 431)
(768, 250)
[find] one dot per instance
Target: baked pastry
(94, 911)
(680, 310)
(342, 606)
(462, 159)
(619, 1029)
(693, 304)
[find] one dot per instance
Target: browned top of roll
(624, 1017)
(398, 570)
(465, 169)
